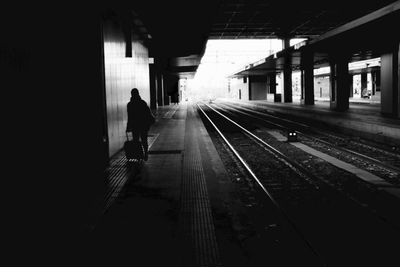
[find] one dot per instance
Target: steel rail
(282, 157)
(248, 169)
(304, 126)
(365, 157)
(304, 172)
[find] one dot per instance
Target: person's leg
(143, 137)
(135, 136)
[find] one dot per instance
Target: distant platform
(362, 119)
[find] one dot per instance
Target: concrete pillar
(285, 42)
(271, 83)
(165, 90)
(287, 73)
(340, 83)
(375, 81)
(307, 77)
(364, 82)
(160, 90)
(153, 87)
(287, 81)
(351, 93)
(287, 84)
(157, 87)
(250, 93)
(390, 88)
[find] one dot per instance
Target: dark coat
(140, 117)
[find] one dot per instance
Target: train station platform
(182, 208)
(361, 119)
(166, 211)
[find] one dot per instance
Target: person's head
(135, 92)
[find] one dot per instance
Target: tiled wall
(121, 75)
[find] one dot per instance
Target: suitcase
(133, 148)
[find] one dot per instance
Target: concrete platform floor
(163, 216)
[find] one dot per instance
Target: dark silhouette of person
(140, 119)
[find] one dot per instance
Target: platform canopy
(361, 39)
(179, 29)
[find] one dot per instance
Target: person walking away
(140, 119)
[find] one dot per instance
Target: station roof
(360, 39)
(238, 19)
(181, 28)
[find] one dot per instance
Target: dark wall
(53, 106)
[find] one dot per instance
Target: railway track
(351, 143)
(310, 204)
(386, 163)
(369, 191)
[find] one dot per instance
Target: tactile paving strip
(171, 112)
(117, 174)
(197, 220)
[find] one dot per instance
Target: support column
(351, 91)
(364, 82)
(287, 73)
(390, 87)
(307, 77)
(340, 83)
(153, 87)
(166, 83)
(271, 88)
(375, 75)
(271, 83)
(160, 90)
(250, 89)
(157, 87)
(287, 80)
(285, 42)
